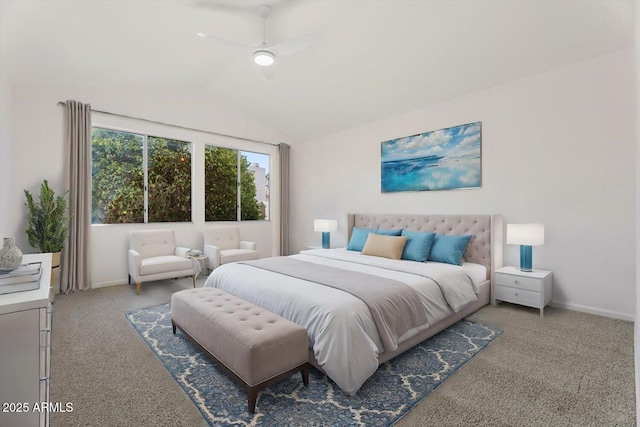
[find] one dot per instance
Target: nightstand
(533, 289)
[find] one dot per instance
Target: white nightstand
(533, 289)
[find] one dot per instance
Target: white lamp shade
(325, 225)
(525, 234)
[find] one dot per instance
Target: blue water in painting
(431, 173)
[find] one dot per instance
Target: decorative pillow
(358, 238)
(418, 245)
(397, 232)
(448, 249)
(384, 246)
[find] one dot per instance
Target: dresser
(532, 289)
(25, 351)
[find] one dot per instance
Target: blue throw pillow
(397, 232)
(448, 249)
(418, 245)
(358, 238)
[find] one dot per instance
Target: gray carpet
(568, 369)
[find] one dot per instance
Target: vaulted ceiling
(369, 59)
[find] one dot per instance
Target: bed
(348, 337)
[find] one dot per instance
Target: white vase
(10, 255)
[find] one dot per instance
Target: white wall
(557, 148)
(38, 153)
(5, 152)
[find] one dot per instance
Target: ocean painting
(443, 159)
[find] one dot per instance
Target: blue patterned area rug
(391, 392)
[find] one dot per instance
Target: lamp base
(325, 240)
(525, 258)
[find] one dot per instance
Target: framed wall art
(444, 159)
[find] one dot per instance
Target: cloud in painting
(452, 141)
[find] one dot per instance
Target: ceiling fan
(264, 54)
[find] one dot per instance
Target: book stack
(24, 278)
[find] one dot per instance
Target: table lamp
(525, 235)
(325, 226)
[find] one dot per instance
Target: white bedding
(342, 333)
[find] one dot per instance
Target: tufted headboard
(485, 246)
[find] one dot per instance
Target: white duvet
(342, 333)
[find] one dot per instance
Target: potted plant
(48, 225)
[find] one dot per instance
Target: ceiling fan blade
(221, 6)
(295, 45)
(269, 72)
(224, 41)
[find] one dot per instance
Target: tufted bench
(254, 346)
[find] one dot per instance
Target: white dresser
(25, 351)
(533, 289)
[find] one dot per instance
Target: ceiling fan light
(263, 58)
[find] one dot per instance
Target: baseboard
(596, 311)
(106, 284)
(120, 282)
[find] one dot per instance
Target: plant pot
(55, 272)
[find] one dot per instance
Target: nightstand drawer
(520, 282)
(518, 296)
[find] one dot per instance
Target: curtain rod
(177, 126)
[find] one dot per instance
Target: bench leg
(173, 326)
(305, 374)
(252, 397)
(138, 288)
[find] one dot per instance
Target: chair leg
(138, 288)
(129, 279)
(194, 280)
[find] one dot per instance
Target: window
(138, 178)
(228, 198)
(169, 180)
(254, 202)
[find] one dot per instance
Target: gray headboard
(485, 246)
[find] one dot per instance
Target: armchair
(154, 255)
(223, 245)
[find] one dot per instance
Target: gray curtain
(76, 256)
(284, 198)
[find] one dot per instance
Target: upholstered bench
(254, 346)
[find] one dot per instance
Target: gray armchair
(154, 255)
